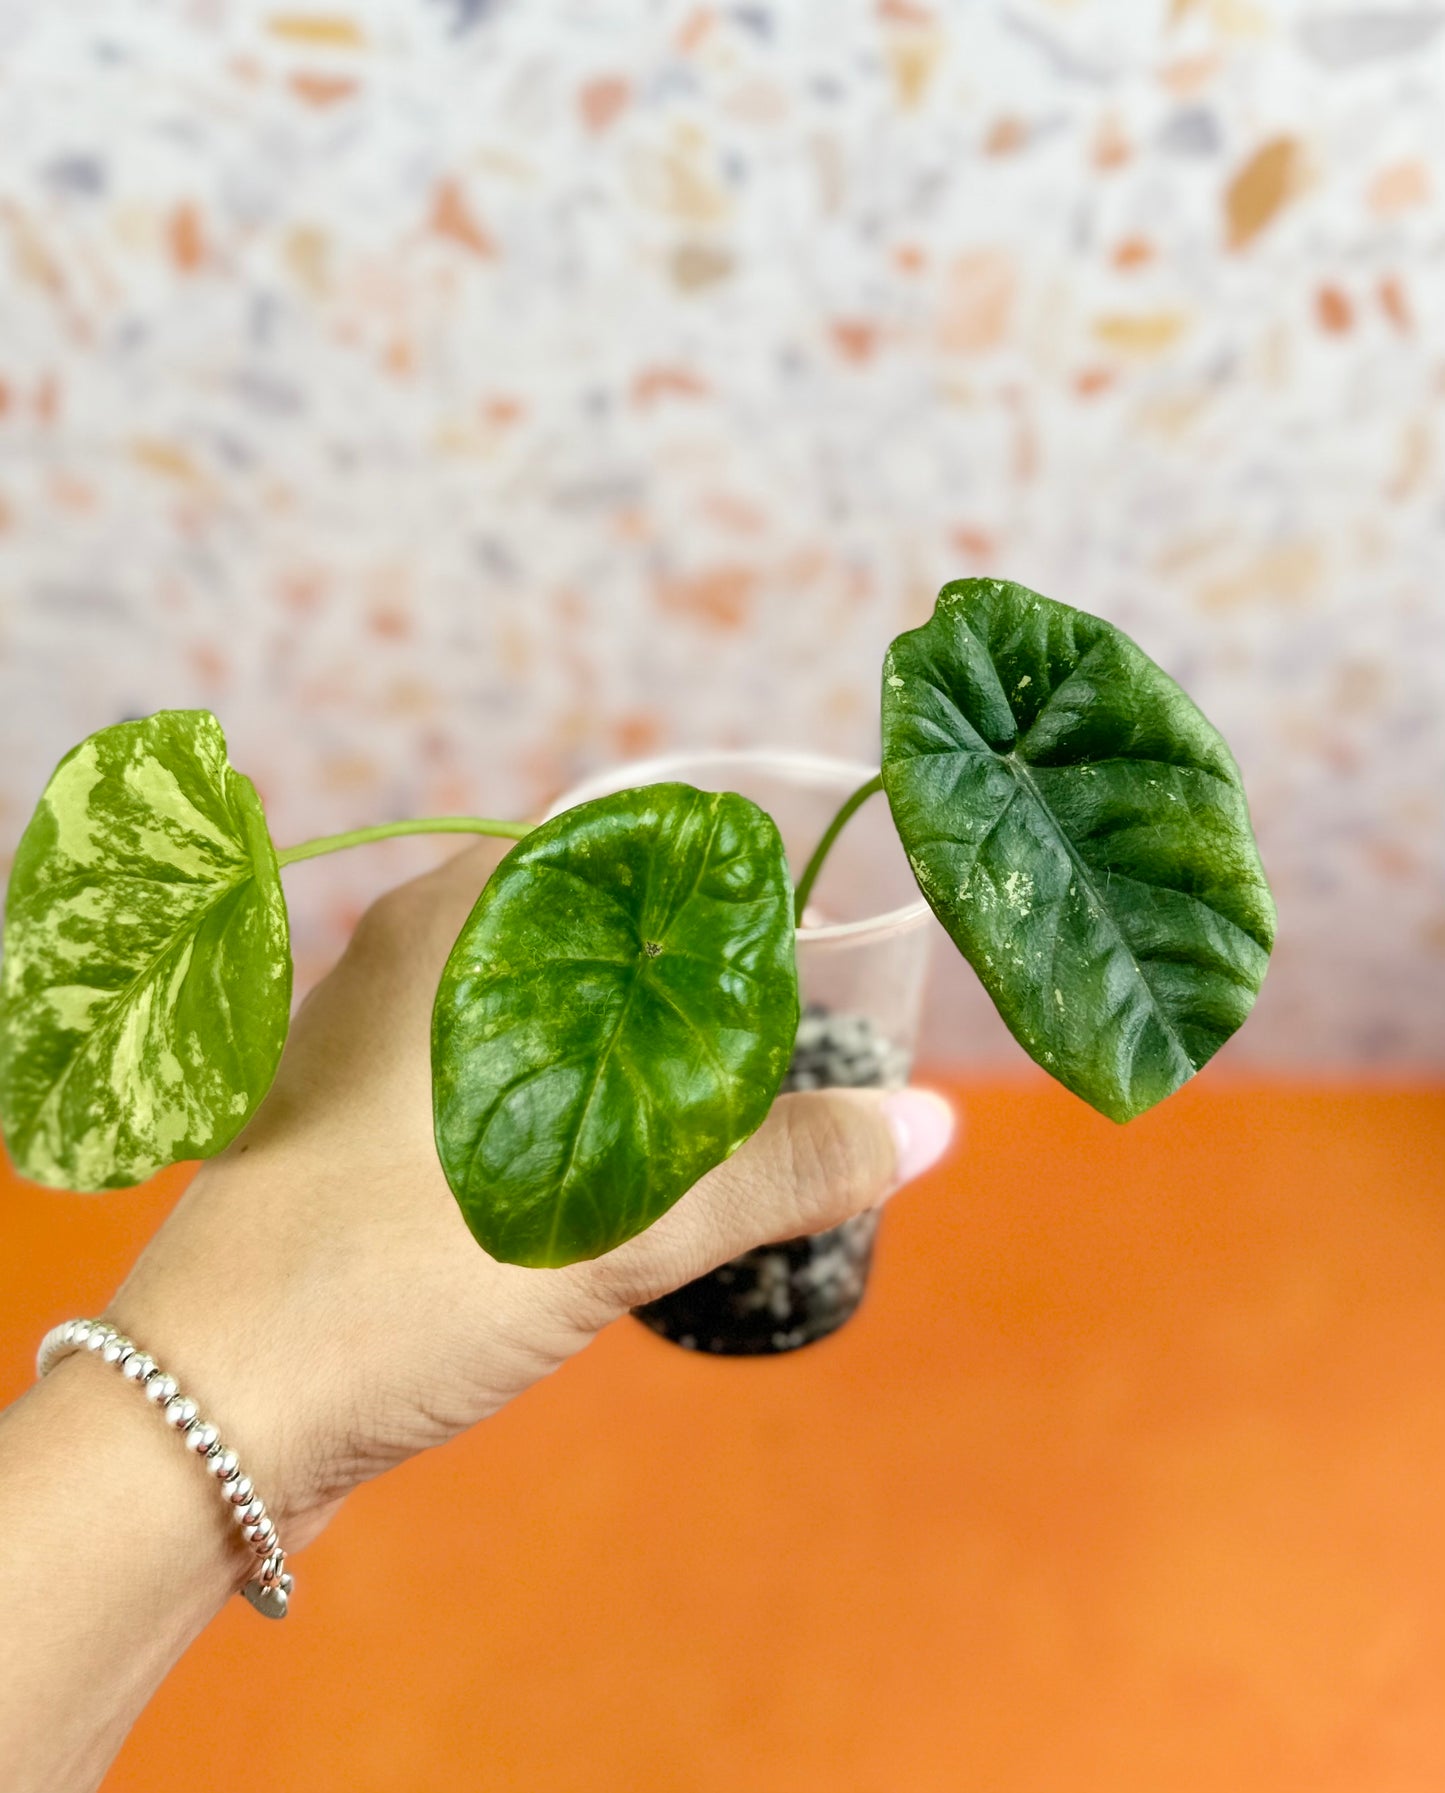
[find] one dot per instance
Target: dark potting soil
(783, 1296)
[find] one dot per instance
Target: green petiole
(359, 837)
(824, 846)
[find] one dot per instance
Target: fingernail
(922, 1125)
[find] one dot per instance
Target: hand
(317, 1290)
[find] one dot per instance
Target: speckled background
(456, 397)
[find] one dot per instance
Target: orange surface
(1131, 1476)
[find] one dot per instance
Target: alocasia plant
(618, 1012)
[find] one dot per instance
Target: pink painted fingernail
(922, 1124)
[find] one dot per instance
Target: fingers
(372, 1013)
(415, 924)
(452, 888)
(469, 870)
(816, 1160)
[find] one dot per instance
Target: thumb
(816, 1160)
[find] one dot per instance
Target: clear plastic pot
(862, 958)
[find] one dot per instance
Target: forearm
(115, 1553)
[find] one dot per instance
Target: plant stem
(358, 837)
(824, 846)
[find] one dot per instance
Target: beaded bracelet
(269, 1589)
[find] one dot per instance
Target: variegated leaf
(146, 985)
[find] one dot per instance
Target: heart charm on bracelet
(270, 1599)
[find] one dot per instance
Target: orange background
(1130, 1476)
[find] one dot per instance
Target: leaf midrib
(120, 998)
(620, 1023)
(1020, 770)
(587, 1101)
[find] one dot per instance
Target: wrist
(239, 1337)
(86, 1444)
(268, 1587)
(255, 1440)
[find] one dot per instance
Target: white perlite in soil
(782, 1296)
(843, 1052)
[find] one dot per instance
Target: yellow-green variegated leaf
(146, 985)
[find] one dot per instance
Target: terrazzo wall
(459, 396)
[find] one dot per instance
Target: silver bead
(261, 1536)
(241, 1491)
(134, 1367)
(116, 1350)
(160, 1389)
(95, 1340)
(202, 1438)
(180, 1412)
(253, 1511)
(224, 1467)
(79, 1331)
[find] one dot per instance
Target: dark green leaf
(615, 1018)
(146, 986)
(1081, 831)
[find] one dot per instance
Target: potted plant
(622, 1005)
(861, 949)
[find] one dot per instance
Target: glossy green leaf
(146, 985)
(1081, 831)
(614, 1020)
